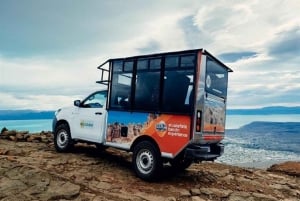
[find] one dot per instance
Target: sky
(50, 50)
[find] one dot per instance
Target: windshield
(216, 78)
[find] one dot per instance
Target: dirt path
(35, 171)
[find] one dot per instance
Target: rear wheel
(146, 161)
(101, 147)
(62, 138)
(180, 163)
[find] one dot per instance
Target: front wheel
(62, 138)
(146, 161)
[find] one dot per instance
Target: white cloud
(45, 84)
(68, 51)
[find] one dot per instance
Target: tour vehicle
(165, 108)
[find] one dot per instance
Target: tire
(180, 163)
(146, 161)
(101, 147)
(62, 138)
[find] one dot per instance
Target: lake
(33, 126)
(232, 122)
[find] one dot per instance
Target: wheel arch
(61, 121)
(145, 138)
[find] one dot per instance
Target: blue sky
(49, 50)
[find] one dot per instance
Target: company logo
(161, 126)
(85, 124)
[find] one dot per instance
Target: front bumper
(204, 152)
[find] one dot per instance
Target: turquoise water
(27, 125)
(232, 122)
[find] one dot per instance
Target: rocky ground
(31, 169)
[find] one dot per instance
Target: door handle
(98, 113)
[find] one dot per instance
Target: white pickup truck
(165, 108)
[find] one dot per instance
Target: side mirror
(77, 103)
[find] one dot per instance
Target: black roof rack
(156, 55)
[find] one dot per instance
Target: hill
(265, 111)
(282, 128)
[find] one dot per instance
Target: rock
(289, 168)
(170, 199)
(248, 181)
(222, 173)
(228, 178)
(195, 191)
(59, 190)
(215, 191)
(184, 193)
(34, 138)
(3, 151)
(104, 185)
(263, 197)
(12, 138)
(9, 133)
(197, 198)
(3, 130)
(239, 196)
(19, 136)
(10, 187)
(44, 139)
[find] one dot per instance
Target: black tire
(146, 161)
(101, 147)
(62, 138)
(181, 164)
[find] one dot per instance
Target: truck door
(215, 101)
(90, 117)
(211, 101)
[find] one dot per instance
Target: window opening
(117, 66)
(142, 64)
(216, 78)
(155, 63)
(128, 66)
(96, 100)
(178, 91)
(171, 61)
(147, 90)
(121, 85)
(187, 61)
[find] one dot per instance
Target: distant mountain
(265, 111)
(25, 114)
(280, 128)
(275, 136)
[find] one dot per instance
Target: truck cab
(165, 108)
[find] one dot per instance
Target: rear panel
(210, 107)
